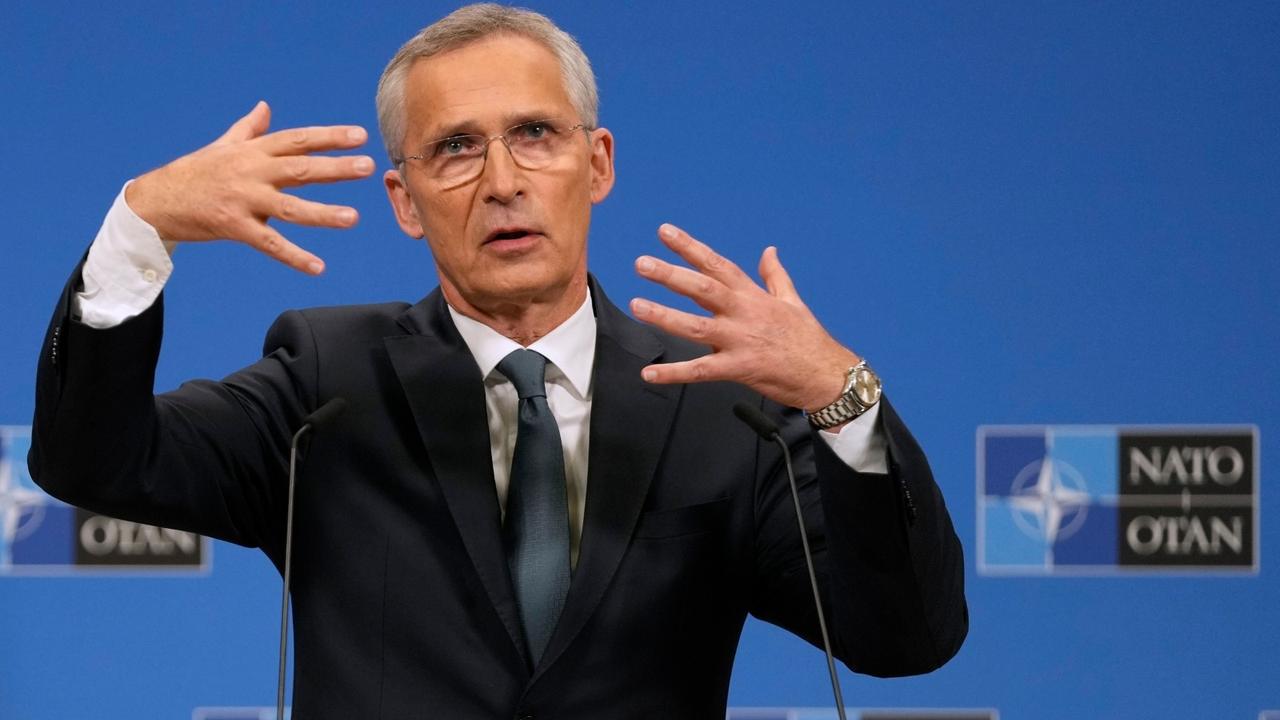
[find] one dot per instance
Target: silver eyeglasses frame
(484, 142)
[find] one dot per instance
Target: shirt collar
(571, 346)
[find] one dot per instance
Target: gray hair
(469, 24)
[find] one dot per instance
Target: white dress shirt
(128, 265)
(571, 350)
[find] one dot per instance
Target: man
(447, 563)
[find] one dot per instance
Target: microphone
(756, 420)
(324, 413)
(312, 422)
(768, 430)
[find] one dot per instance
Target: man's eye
(454, 146)
(533, 131)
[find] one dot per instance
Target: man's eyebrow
(471, 127)
(463, 127)
(512, 119)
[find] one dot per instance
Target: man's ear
(402, 204)
(601, 164)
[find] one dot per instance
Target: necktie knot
(526, 370)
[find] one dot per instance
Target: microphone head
(756, 420)
(325, 413)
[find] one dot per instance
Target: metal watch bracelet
(844, 408)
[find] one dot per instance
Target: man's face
(511, 237)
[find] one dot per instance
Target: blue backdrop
(1021, 213)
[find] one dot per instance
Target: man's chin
(524, 285)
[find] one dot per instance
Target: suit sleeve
(209, 457)
(890, 567)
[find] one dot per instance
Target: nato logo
(1070, 499)
(40, 535)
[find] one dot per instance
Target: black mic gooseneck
(768, 430)
(322, 415)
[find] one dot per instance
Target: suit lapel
(446, 394)
(629, 424)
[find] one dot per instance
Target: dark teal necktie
(536, 530)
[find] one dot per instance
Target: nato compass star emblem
(1039, 508)
(21, 508)
(1049, 500)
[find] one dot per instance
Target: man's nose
(500, 177)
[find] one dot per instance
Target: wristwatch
(861, 392)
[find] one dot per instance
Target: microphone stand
(321, 416)
(768, 430)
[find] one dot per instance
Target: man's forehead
(495, 81)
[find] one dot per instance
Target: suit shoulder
(342, 323)
(355, 316)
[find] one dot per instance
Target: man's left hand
(765, 338)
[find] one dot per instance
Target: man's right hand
(230, 188)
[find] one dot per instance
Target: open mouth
(510, 234)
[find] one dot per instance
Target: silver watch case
(862, 390)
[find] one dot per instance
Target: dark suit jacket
(402, 602)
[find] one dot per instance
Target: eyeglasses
(458, 159)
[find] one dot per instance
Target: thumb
(248, 127)
(776, 278)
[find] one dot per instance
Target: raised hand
(765, 338)
(230, 188)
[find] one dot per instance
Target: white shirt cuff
(127, 267)
(861, 443)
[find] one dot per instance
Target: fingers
(305, 212)
(295, 170)
(698, 328)
(706, 291)
(266, 240)
(764, 338)
(248, 127)
(775, 276)
(703, 257)
(300, 141)
(295, 141)
(704, 369)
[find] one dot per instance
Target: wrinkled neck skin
(523, 319)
